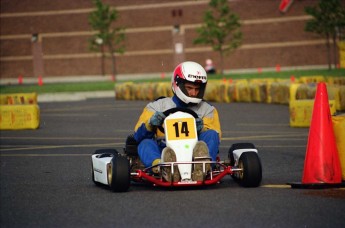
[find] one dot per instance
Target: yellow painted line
(276, 186)
(284, 146)
(259, 137)
(70, 115)
(273, 146)
(287, 186)
(63, 138)
(44, 155)
(61, 146)
(266, 139)
(262, 124)
(262, 132)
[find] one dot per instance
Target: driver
(189, 81)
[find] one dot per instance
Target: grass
(58, 87)
(109, 85)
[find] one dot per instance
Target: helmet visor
(194, 89)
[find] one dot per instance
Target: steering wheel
(177, 109)
(180, 109)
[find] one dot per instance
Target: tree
(328, 19)
(221, 29)
(106, 36)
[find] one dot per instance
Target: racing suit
(151, 141)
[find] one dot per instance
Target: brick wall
(269, 37)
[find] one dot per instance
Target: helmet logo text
(197, 77)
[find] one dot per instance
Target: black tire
(103, 152)
(106, 151)
(237, 146)
(119, 174)
(251, 174)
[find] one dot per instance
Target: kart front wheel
(118, 174)
(251, 173)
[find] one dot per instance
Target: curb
(74, 96)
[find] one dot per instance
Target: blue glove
(157, 119)
(199, 124)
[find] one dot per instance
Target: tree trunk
(102, 60)
(113, 63)
(328, 52)
(335, 50)
(221, 62)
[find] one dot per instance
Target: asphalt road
(46, 174)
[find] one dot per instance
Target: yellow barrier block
(301, 112)
(124, 91)
(279, 92)
(341, 98)
(258, 91)
(341, 45)
(211, 91)
(342, 58)
(312, 79)
(242, 91)
(16, 117)
(18, 98)
(223, 92)
(148, 91)
(339, 132)
(162, 89)
(336, 80)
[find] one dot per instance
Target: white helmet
(189, 72)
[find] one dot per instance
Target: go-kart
(117, 170)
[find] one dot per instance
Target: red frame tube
(143, 176)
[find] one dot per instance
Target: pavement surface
(46, 179)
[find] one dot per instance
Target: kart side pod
(237, 154)
(99, 168)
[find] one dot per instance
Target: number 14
(183, 130)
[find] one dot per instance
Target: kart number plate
(178, 129)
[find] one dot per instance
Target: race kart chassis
(117, 170)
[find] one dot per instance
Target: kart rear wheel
(251, 173)
(118, 174)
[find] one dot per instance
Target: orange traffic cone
(322, 164)
(40, 80)
(20, 79)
